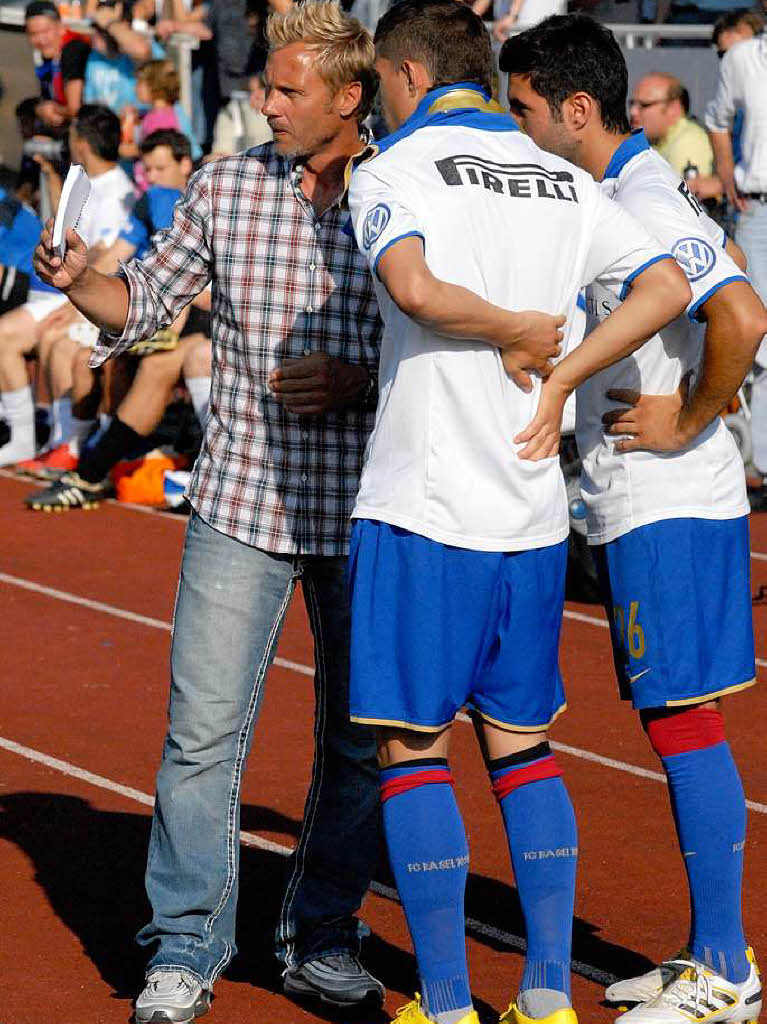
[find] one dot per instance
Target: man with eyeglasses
(661, 105)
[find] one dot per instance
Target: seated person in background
(158, 87)
(30, 129)
(137, 415)
(241, 126)
(660, 105)
(94, 137)
(167, 165)
(18, 225)
(61, 71)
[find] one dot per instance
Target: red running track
(85, 686)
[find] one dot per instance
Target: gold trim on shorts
(510, 727)
(710, 696)
(392, 724)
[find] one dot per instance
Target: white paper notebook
(74, 195)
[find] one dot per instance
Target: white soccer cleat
(647, 986)
(699, 996)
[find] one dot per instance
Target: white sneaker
(648, 986)
(698, 996)
(171, 997)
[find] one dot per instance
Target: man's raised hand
(50, 268)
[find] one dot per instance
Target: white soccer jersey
(108, 208)
(705, 480)
(524, 230)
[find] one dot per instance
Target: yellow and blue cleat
(515, 1016)
(412, 1013)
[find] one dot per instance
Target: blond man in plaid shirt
(296, 335)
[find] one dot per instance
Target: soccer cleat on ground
(515, 1016)
(51, 465)
(411, 1013)
(71, 491)
(698, 996)
(171, 997)
(337, 978)
(648, 986)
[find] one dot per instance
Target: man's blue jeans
(751, 236)
(230, 608)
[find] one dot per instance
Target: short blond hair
(344, 47)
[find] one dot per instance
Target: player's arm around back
(659, 294)
(529, 340)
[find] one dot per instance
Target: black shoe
(71, 491)
(336, 978)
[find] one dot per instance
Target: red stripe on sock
(545, 769)
(683, 731)
(402, 783)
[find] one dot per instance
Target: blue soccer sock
(543, 841)
(709, 809)
(430, 860)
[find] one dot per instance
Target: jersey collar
(460, 103)
(460, 96)
(636, 143)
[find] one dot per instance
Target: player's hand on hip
(648, 422)
(316, 383)
(541, 435)
(51, 268)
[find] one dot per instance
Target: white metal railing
(646, 36)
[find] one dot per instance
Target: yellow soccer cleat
(515, 1016)
(412, 1013)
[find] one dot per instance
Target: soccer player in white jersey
(666, 503)
(458, 553)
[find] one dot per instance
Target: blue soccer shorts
(678, 597)
(436, 627)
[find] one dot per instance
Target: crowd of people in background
(110, 98)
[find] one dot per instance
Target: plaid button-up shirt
(284, 284)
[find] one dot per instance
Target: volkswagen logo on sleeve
(375, 223)
(695, 257)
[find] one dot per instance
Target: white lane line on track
(121, 613)
(473, 926)
(307, 670)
